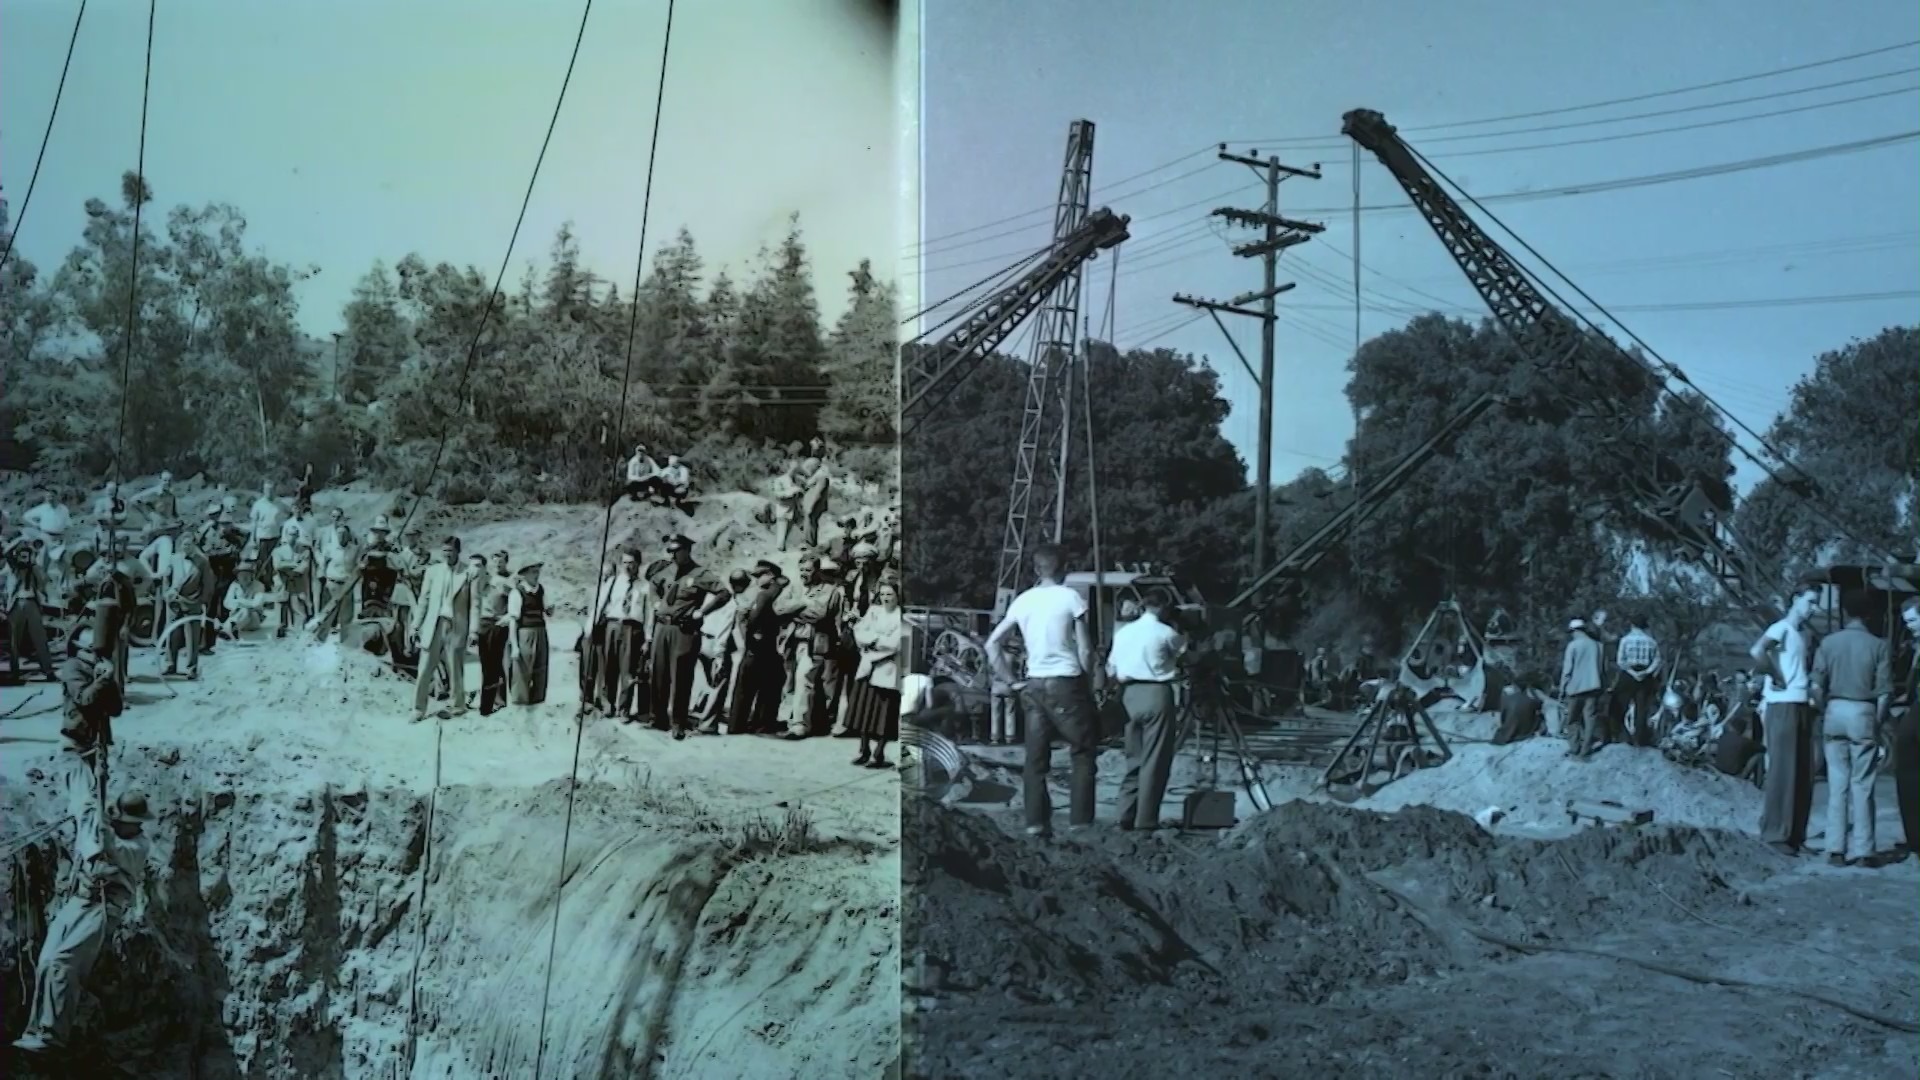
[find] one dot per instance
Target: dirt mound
(1289, 907)
(1533, 780)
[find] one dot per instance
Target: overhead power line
(1562, 191)
(1332, 140)
(1771, 73)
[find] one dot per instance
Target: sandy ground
(1280, 949)
(347, 894)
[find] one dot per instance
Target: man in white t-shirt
(1052, 621)
(1785, 653)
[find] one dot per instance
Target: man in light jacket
(1586, 728)
(441, 621)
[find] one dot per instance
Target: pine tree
(862, 396)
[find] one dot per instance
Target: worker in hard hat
(108, 891)
(91, 687)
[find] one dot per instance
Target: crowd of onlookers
(751, 648)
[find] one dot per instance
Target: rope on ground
(606, 527)
(22, 703)
(46, 137)
(1443, 926)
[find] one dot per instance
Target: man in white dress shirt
(1145, 660)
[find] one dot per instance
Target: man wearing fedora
(23, 592)
(1585, 726)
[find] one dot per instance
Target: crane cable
(133, 270)
(33, 179)
(446, 430)
(1662, 366)
(606, 531)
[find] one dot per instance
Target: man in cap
(23, 592)
(685, 593)
(720, 634)
(109, 890)
(759, 677)
(441, 622)
(815, 615)
(1585, 725)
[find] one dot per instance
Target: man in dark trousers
(686, 593)
(1145, 660)
(1785, 653)
(1051, 619)
(1585, 725)
(760, 676)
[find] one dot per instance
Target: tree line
(220, 379)
(1528, 511)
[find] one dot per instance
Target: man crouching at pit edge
(1060, 678)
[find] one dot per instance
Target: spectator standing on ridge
(1785, 654)
(1638, 686)
(1585, 724)
(1853, 682)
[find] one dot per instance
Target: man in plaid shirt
(1638, 660)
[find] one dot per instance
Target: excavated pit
(1325, 940)
(294, 943)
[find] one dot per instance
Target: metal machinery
(1689, 512)
(1046, 420)
(930, 375)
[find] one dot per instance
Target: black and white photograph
(451, 516)
(1410, 522)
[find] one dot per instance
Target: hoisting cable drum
(606, 527)
(46, 136)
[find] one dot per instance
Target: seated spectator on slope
(1738, 752)
(248, 602)
(645, 479)
(1519, 712)
(675, 484)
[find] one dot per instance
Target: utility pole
(1278, 234)
(334, 382)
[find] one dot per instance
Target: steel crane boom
(931, 374)
(1688, 511)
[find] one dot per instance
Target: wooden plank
(1609, 811)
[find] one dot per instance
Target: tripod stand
(1391, 729)
(1206, 717)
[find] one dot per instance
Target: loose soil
(1334, 941)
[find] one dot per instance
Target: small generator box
(1209, 810)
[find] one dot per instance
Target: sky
(1688, 265)
(354, 130)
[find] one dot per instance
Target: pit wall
(293, 948)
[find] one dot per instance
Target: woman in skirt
(874, 711)
(527, 638)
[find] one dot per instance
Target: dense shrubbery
(221, 380)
